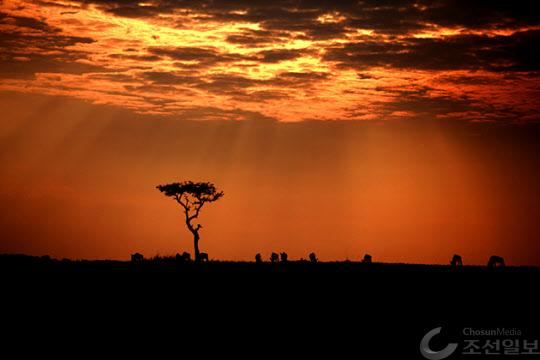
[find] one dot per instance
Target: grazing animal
(284, 257)
(137, 258)
(367, 259)
(313, 257)
(203, 256)
(258, 258)
(496, 261)
(185, 257)
(456, 261)
(274, 257)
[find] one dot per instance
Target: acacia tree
(192, 197)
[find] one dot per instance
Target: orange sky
(406, 130)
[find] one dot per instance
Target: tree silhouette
(192, 197)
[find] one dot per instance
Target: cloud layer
(281, 60)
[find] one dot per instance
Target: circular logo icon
(426, 351)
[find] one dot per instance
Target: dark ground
(232, 309)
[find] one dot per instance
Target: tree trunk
(196, 245)
(196, 237)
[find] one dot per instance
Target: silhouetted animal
(137, 258)
(284, 257)
(258, 258)
(456, 261)
(495, 261)
(367, 259)
(313, 257)
(274, 257)
(203, 256)
(185, 257)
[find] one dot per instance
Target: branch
(178, 199)
(197, 210)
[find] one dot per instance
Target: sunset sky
(404, 129)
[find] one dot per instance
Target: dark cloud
(226, 80)
(255, 38)
(239, 86)
(274, 56)
(135, 9)
(228, 84)
(57, 4)
(136, 57)
(389, 17)
(13, 69)
(468, 80)
(481, 15)
(233, 85)
(115, 77)
(427, 103)
(169, 78)
(261, 95)
(15, 41)
(296, 79)
(187, 53)
(217, 114)
(27, 23)
(364, 76)
(17, 62)
(498, 53)
(156, 88)
(248, 40)
(422, 104)
(292, 20)
(203, 56)
(49, 50)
